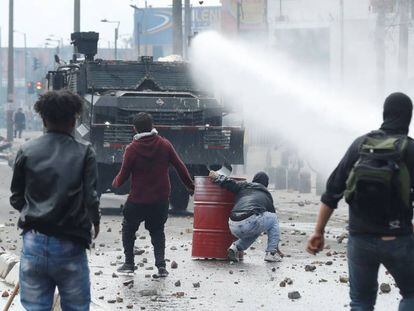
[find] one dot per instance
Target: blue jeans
(46, 263)
(249, 229)
(365, 254)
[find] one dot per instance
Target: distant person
(19, 123)
(252, 215)
(54, 189)
(146, 161)
(376, 178)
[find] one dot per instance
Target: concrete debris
(139, 252)
(385, 288)
(148, 292)
(294, 295)
(130, 306)
(129, 282)
(179, 294)
(177, 284)
(343, 279)
(343, 236)
(119, 299)
(174, 265)
(98, 272)
(310, 268)
(114, 275)
(196, 285)
(5, 294)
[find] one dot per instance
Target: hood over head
(261, 178)
(397, 113)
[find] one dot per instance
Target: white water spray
(282, 98)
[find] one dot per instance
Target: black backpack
(379, 185)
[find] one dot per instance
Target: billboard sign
(154, 25)
(252, 14)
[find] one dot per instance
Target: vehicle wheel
(179, 196)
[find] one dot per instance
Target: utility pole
(380, 47)
(238, 16)
(76, 16)
(403, 43)
(187, 25)
(116, 42)
(177, 27)
(266, 17)
(342, 38)
(76, 20)
(1, 74)
(10, 76)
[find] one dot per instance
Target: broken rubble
(385, 288)
(294, 295)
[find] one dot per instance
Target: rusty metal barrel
(212, 207)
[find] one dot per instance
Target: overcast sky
(40, 19)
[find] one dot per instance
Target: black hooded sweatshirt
(397, 117)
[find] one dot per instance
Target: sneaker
(162, 272)
(126, 268)
(233, 253)
(273, 257)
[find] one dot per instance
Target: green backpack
(379, 186)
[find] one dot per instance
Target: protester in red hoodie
(146, 161)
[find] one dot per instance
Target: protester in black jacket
(252, 214)
(19, 123)
(372, 242)
(54, 189)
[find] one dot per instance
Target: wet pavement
(215, 285)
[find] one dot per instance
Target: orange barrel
(212, 207)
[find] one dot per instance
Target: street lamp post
(139, 30)
(10, 75)
(25, 60)
(58, 44)
(116, 34)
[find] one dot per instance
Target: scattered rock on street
(174, 265)
(148, 292)
(385, 288)
(178, 283)
(126, 283)
(310, 268)
(343, 279)
(294, 295)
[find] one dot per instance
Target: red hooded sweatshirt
(147, 160)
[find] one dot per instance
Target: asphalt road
(249, 285)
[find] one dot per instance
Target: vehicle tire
(179, 195)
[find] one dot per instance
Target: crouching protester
(54, 189)
(252, 215)
(146, 162)
(376, 178)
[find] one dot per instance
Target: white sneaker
(272, 257)
(232, 253)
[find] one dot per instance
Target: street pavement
(215, 285)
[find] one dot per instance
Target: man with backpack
(376, 178)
